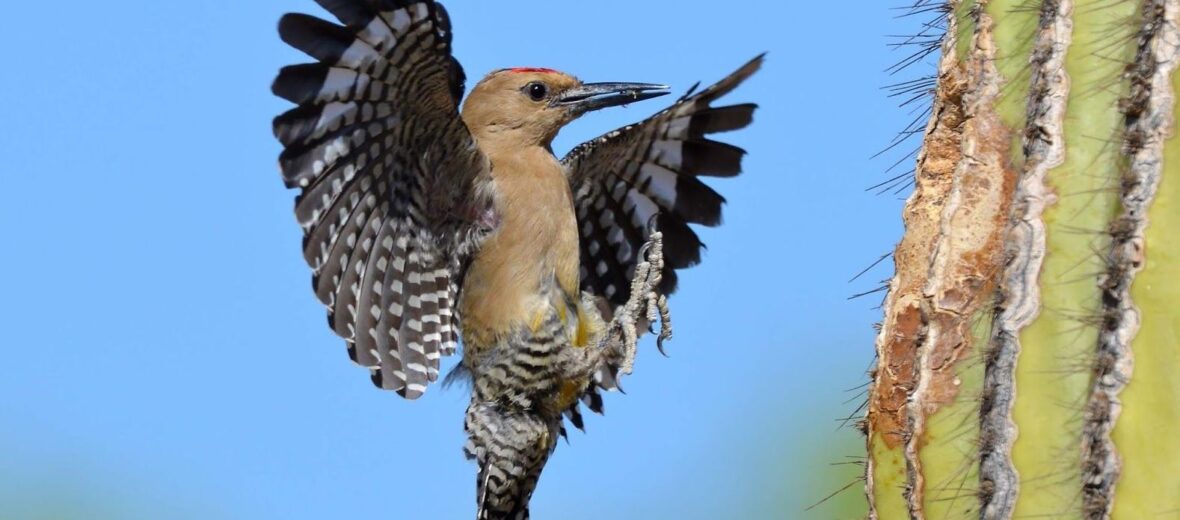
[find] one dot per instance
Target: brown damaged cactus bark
(1028, 363)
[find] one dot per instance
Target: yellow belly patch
(537, 321)
(582, 331)
(571, 390)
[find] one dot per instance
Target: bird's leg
(645, 305)
(618, 341)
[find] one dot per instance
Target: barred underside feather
(384, 164)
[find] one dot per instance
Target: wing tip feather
(735, 78)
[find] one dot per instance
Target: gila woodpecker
(424, 223)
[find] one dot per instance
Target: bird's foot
(644, 307)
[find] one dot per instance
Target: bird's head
(528, 106)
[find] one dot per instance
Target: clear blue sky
(163, 356)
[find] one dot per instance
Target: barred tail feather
(511, 448)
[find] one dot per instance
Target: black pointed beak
(593, 96)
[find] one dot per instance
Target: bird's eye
(536, 90)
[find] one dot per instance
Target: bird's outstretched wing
(392, 184)
(623, 179)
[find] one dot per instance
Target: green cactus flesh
(1031, 332)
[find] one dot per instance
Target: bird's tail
(511, 447)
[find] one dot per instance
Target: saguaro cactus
(1029, 357)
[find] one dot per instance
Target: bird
(428, 221)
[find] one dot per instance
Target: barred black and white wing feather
(391, 181)
(625, 178)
